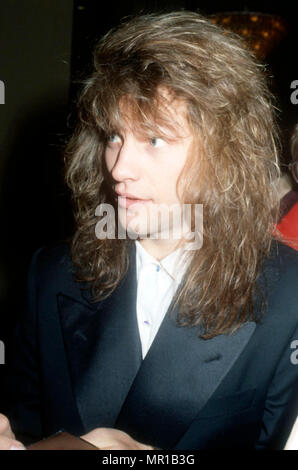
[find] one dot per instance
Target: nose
(126, 163)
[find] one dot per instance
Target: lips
(129, 196)
(126, 200)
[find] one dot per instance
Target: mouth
(125, 201)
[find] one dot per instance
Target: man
(142, 340)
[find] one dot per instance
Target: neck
(159, 248)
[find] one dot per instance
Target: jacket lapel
(179, 375)
(103, 349)
(115, 388)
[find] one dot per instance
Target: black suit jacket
(78, 365)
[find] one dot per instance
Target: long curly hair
(230, 171)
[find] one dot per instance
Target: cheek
(166, 183)
(109, 160)
(172, 174)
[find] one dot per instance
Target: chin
(136, 232)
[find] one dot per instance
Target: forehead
(164, 114)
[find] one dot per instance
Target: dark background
(45, 50)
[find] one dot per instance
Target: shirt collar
(174, 264)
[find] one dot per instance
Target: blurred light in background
(263, 32)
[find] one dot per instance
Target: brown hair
(230, 110)
(294, 144)
(293, 166)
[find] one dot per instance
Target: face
(146, 168)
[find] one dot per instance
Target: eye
(114, 139)
(157, 142)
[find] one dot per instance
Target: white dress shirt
(292, 442)
(157, 283)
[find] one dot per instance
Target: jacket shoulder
(279, 284)
(283, 259)
(51, 266)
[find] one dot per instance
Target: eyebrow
(145, 132)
